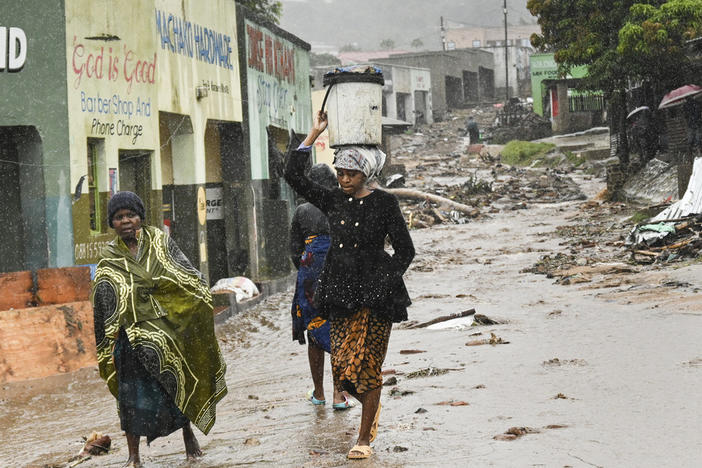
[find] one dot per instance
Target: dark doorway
(486, 77)
(22, 200)
(214, 195)
(454, 92)
(12, 249)
(135, 174)
(401, 103)
(470, 86)
(236, 177)
(420, 107)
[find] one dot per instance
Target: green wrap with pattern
(165, 307)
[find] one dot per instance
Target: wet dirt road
(597, 375)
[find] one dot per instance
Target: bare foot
(133, 446)
(192, 447)
(134, 462)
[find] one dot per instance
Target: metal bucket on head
(354, 108)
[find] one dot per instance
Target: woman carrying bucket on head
(361, 291)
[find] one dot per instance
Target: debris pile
(517, 121)
(666, 241)
(546, 187)
(674, 233)
(447, 180)
(594, 242)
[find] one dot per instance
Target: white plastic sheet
(241, 286)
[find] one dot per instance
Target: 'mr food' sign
(13, 48)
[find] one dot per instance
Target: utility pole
(443, 35)
(504, 10)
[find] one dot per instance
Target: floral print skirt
(358, 347)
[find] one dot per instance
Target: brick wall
(46, 323)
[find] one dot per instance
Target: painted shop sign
(273, 98)
(269, 54)
(192, 40)
(13, 48)
(112, 112)
(111, 64)
(215, 87)
(119, 106)
(214, 203)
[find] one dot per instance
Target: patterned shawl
(165, 308)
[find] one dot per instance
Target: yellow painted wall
(128, 61)
(199, 68)
(323, 152)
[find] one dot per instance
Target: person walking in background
(154, 332)
(361, 290)
(309, 242)
(472, 130)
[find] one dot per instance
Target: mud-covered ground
(602, 369)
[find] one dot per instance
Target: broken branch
(417, 195)
(444, 318)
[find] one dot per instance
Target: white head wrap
(367, 159)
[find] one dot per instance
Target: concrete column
(561, 121)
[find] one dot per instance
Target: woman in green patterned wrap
(154, 331)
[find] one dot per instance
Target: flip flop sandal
(313, 400)
(346, 404)
(374, 427)
(361, 452)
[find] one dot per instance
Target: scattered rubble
(392, 381)
(481, 319)
(451, 181)
(515, 432)
(493, 340)
(396, 392)
(430, 372)
(453, 403)
(666, 241)
(517, 121)
(555, 362)
(96, 444)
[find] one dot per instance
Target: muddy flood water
(578, 375)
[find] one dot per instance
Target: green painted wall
(36, 96)
(278, 89)
(543, 67)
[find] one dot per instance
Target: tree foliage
(349, 48)
(268, 10)
(387, 44)
(584, 32)
(652, 41)
(417, 43)
(619, 40)
(317, 60)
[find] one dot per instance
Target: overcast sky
(335, 23)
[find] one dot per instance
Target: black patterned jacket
(358, 271)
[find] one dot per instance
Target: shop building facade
(275, 82)
(156, 97)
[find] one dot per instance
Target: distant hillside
(334, 23)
